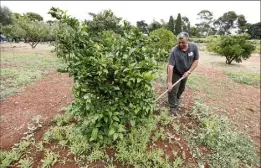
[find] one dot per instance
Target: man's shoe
(174, 111)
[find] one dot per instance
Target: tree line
(229, 23)
(31, 28)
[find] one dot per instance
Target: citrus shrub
(165, 41)
(232, 47)
(113, 77)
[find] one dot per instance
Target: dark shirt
(182, 60)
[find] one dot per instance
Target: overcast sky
(140, 10)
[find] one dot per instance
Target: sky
(134, 11)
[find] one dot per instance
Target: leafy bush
(166, 40)
(113, 77)
(198, 40)
(211, 43)
(257, 44)
(233, 47)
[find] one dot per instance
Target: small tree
(255, 30)
(104, 21)
(143, 26)
(113, 77)
(205, 19)
(35, 31)
(234, 48)
(154, 25)
(178, 24)
(14, 32)
(34, 16)
(171, 24)
(166, 40)
(5, 15)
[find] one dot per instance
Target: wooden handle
(171, 88)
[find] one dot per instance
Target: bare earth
(45, 98)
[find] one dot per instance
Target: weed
(50, 159)
(164, 118)
(110, 166)
(252, 79)
(78, 143)
(25, 163)
(96, 154)
(178, 161)
(229, 148)
(22, 146)
(8, 157)
(176, 127)
(39, 146)
(63, 119)
(132, 149)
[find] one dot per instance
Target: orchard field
(87, 100)
(37, 104)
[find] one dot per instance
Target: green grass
(40, 60)
(229, 148)
(20, 69)
(252, 79)
(197, 81)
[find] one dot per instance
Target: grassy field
(19, 68)
(245, 78)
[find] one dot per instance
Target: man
(183, 59)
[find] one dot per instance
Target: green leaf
(94, 134)
(129, 83)
(88, 106)
(116, 113)
(138, 80)
(132, 122)
(111, 132)
(105, 71)
(116, 88)
(121, 129)
(120, 135)
(115, 118)
(131, 51)
(110, 113)
(115, 136)
(98, 125)
(126, 69)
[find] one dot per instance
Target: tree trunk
(33, 44)
(229, 60)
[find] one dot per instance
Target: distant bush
(166, 40)
(198, 40)
(233, 47)
(257, 44)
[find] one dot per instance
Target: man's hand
(169, 87)
(186, 74)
